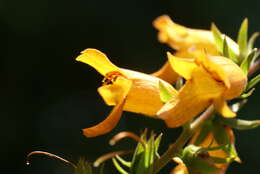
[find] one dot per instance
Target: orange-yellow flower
(125, 89)
(209, 80)
(186, 42)
(181, 168)
(211, 142)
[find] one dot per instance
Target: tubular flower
(125, 89)
(209, 80)
(181, 168)
(186, 41)
(210, 140)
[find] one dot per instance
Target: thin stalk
(186, 134)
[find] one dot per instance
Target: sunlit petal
(97, 60)
(184, 67)
(180, 168)
(116, 92)
(192, 99)
(166, 73)
(106, 125)
(222, 107)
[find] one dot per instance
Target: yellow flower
(181, 168)
(209, 80)
(210, 142)
(186, 41)
(125, 89)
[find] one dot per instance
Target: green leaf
(222, 44)
(252, 40)
(207, 127)
(241, 124)
(217, 37)
(225, 48)
(122, 161)
(231, 150)
(157, 144)
(242, 38)
(118, 167)
(247, 94)
(220, 134)
(245, 65)
(165, 94)
(253, 82)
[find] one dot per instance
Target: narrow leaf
(253, 82)
(118, 167)
(245, 65)
(122, 161)
(252, 40)
(241, 124)
(217, 37)
(242, 38)
(247, 94)
(225, 48)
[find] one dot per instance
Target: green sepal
(241, 124)
(207, 127)
(242, 38)
(253, 82)
(83, 167)
(118, 167)
(145, 156)
(123, 162)
(252, 40)
(165, 94)
(217, 37)
(222, 44)
(220, 134)
(245, 65)
(196, 162)
(247, 94)
(222, 138)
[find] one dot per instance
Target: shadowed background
(47, 97)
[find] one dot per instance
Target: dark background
(47, 97)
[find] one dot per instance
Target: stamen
(109, 156)
(122, 135)
(49, 155)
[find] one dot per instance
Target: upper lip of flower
(209, 80)
(126, 89)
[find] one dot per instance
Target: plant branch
(186, 134)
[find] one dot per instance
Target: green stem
(186, 134)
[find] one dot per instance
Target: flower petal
(180, 37)
(108, 124)
(225, 70)
(114, 93)
(180, 168)
(166, 73)
(192, 99)
(144, 96)
(184, 67)
(97, 60)
(222, 107)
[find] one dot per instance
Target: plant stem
(186, 134)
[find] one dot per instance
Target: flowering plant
(201, 87)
